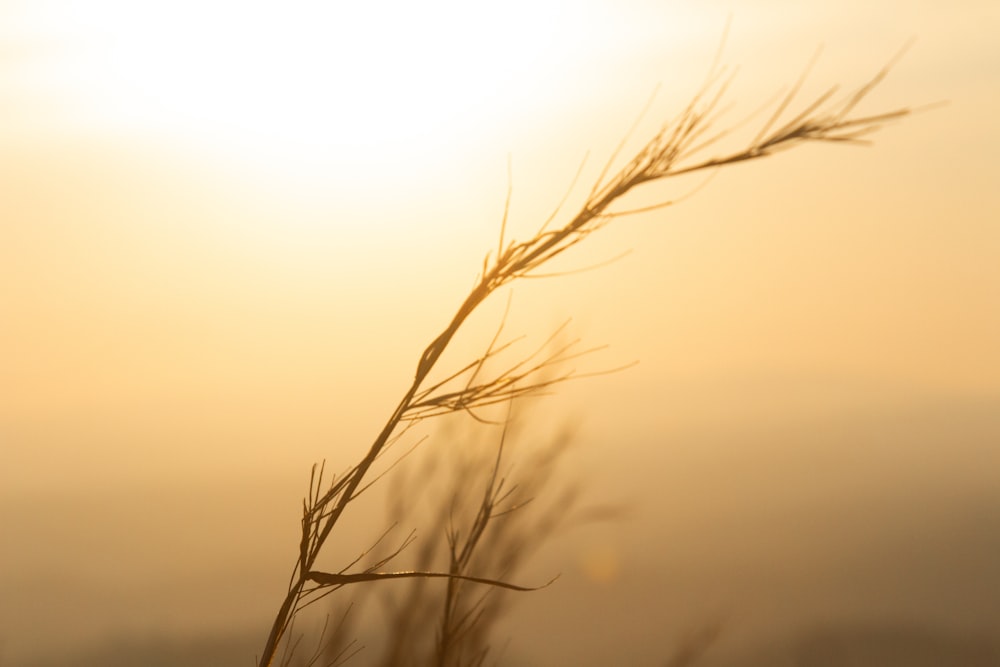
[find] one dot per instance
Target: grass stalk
(678, 148)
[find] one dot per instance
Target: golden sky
(227, 230)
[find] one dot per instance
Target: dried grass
(679, 147)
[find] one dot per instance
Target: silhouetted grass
(680, 147)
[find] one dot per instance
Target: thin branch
(336, 579)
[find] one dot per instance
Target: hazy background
(227, 231)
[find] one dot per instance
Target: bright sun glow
(320, 74)
(305, 83)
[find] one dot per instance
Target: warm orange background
(227, 232)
